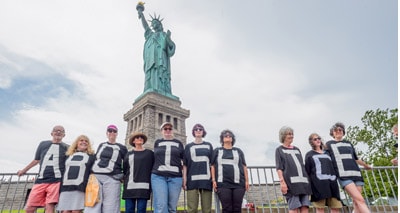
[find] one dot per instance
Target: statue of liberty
(158, 48)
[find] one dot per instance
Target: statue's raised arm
(140, 9)
(158, 49)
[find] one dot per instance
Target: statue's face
(156, 25)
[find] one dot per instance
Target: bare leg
(335, 210)
(320, 210)
(359, 203)
(30, 209)
(304, 209)
(50, 207)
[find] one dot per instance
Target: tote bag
(92, 191)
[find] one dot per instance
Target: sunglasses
(227, 136)
(167, 129)
(338, 130)
(198, 129)
(112, 130)
(315, 139)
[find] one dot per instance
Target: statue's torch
(140, 7)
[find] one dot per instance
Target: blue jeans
(130, 204)
(166, 191)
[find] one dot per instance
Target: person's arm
(284, 188)
(184, 177)
(394, 161)
(214, 181)
(29, 166)
(362, 163)
(246, 178)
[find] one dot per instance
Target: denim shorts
(344, 183)
(297, 201)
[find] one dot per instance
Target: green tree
(377, 135)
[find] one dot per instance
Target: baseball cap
(112, 126)
(165, 124)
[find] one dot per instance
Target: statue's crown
(155, 18)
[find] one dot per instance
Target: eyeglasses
(112, 131)
(338, 130)
(167, 129)
(315, 139)
(58, 130)
(198, 129)
(227, 136)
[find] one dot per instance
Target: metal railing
(380, 191)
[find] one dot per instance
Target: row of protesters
(222, 169)
(323, 167)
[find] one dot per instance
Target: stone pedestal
(149, 111)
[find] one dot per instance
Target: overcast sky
(250, 66)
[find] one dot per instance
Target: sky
(248, 66)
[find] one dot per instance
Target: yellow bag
(92, 191)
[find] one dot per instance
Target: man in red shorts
(51, 156)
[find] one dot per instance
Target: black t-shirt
(228, 164)
(168, 156)
(77, 171)
(290, 161)
(52, 161)
(197, 160)
(344, 160)
(322, 175)
(137, 171)
(109, 159)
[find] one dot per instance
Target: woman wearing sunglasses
(108, 171)
(138, 164)
(229, 173)
(345, 162)
(196, 165)
(319, 167)
(166, 176)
